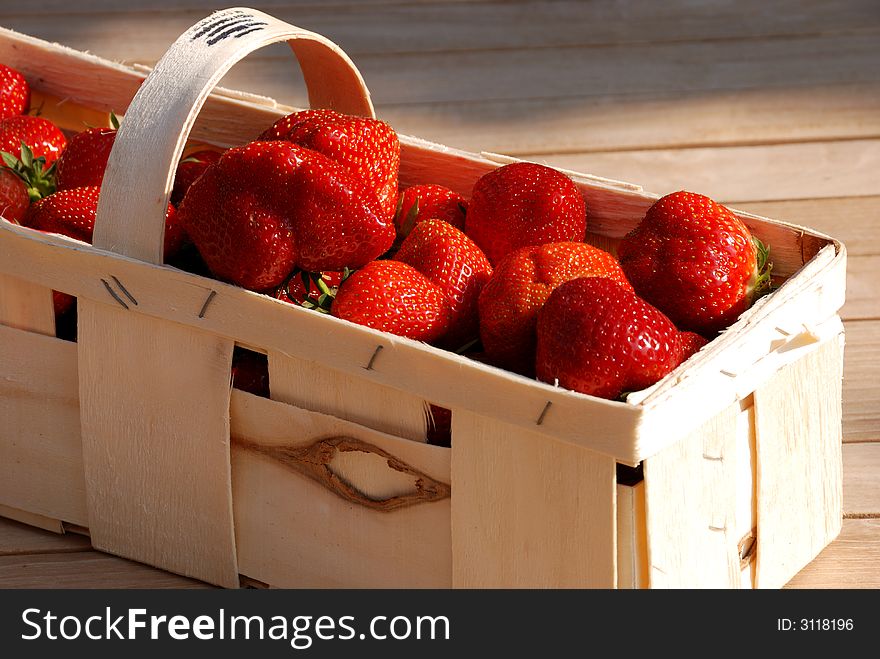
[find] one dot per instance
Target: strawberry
(188, 170)
(426, 202)
(694, 260)
(453, 262)
(439, 432)
(393, 297)
(85, 158)
(521, 283)
(15, 93)
(43, 137)
(524, 204)
(690, 343)
(72, 213)
(250, 372)
(368, 148)
(599, 338)
(268, 207)
(14, 200)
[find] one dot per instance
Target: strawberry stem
(763, 283)
(40, 181)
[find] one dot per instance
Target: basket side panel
(154, 399)
(312, 386)
(632, 543)
(41, 471)
(26, 305)
(321, 502)
(691, 499)
(798, 420)
(529, 511)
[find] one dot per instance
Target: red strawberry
(439, 426)
(14, 199)
(188, 170)
(524, 204)
(599, 338)
(43, 137)
(690, 343)
(429, 202)
(250, 372)
(367, 147)
(72, 213)
(522, 282)
(694, 260)
(451, 261)
(268, 207)
(15, 94)
(85, 159)
(393, 297)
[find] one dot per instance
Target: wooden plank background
(773, 108)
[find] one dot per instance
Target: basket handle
(148, 146)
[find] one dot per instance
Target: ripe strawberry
(439, 432)
(85, 159)
(43, 137)
(72, 213)
(15, 93)
(429, 202)
(522, 282)
(690, 343)
(267, 207)
(250, 372)
(694, 260)
(366, 147)
(599, 338)
(188, 170)
(14, 200)
(524, 204)
(394, 297)
(451, 261)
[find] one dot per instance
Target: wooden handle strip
(140, 172)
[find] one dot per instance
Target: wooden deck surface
(773, 108)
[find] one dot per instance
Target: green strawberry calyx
(39, 179)
(761, 282)
(328, 293)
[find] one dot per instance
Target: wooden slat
(742, 173)
(41, 470)
(799, 488)
(369, 27)
(852, 220)
(691, 492)
(17, 538)
(568, 72)
(528, 511)
(629, 121)
(862, 288)
(26, 306)
(84, 569)
(632, 544)
(311, 386)
(851, 561)
(861, 491)
(293, 531)
(154, 398)
(861, 395)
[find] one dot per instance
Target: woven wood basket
(134, 435)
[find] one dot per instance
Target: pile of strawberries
(310, 213)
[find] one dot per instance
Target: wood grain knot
(316, 462)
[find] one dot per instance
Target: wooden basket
(727, 473)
